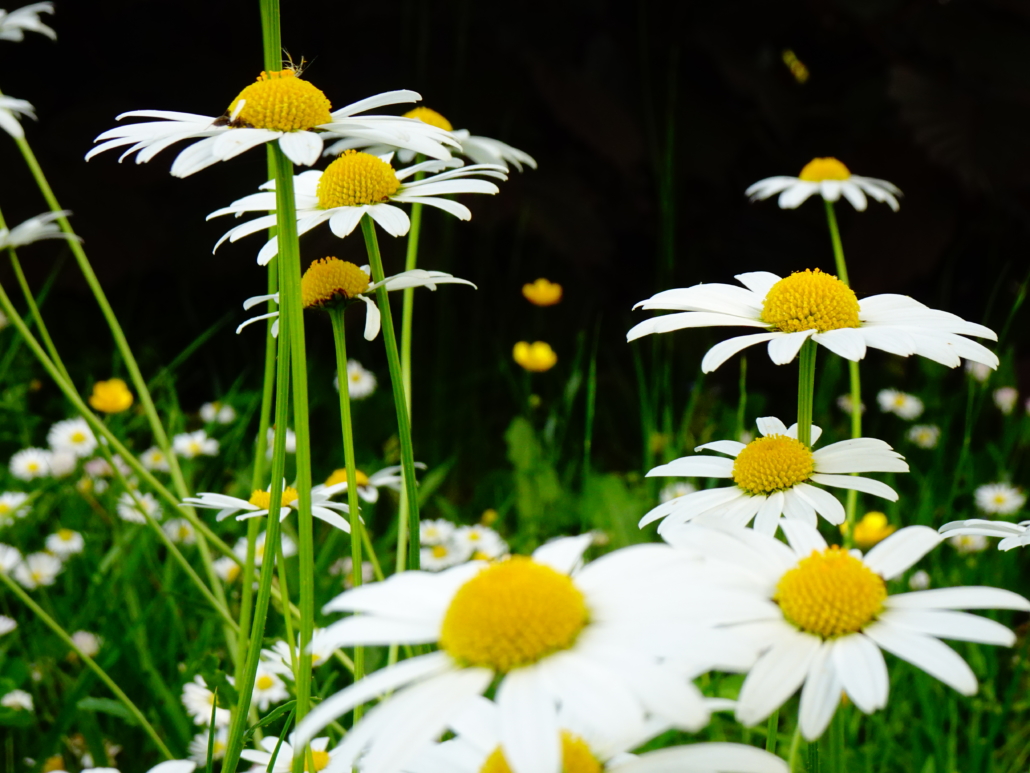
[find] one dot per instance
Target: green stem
(838, 247)
(742, 398)
(795, 745)
(408, 308)
(806, 391)
(63, 636)
(30, 301)
(406, 527)
(771, 729)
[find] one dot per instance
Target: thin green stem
(838, 248)
(408, 307)
(771, 728)
(30, 301)
(742, 398)
(806, 391)
(795, 745)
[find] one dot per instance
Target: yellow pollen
(65, 535)
(830, 593)
(330, 279)
(810, 300)
(440, 551)
(263, 499)
(431, 117)
(513, 614)
(320, 759)
(340, 476)
(576, 757)
(78, 437)
(264, 682)
(772, 463)
(281, 102)
(356, 179)
(819, 169)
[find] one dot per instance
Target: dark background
(648, 121)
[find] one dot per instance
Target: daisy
(829, 178)
(190, 445)
(773, 476)
(284, 759)
(811, 304)
(10, 557)
(330, 281)
(199, 701)
(7, 624)
(481, 542)
(368, 485)
(435, 532)
(443, 555)
(977, 370)
(357, 184)
(829, 615)
(181, 531)
(345, 567)
(18, 700)
(621, 631)
(321, 506)
(290, 444)
(999, 498)
(154, 459)
(924, 435)
(227, 569)
(13, 505)
(278, 659)
(903, 405)
(10, 109)
(674, 490)
(14, 24)
(73, 435)
(268, 689)
(1014, 535)
(199, 745)
(1005, 398)
(88, 643)
(240, 548)
(967, 544)
(30, 463)
(135, 509)
(845, 404)
(279, 106)
(361, 383)
(65, 543)
(920, 580)
(37, 569)
(222, 413)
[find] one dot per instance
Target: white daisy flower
(181, 531)
(291, 438)
(329, 281)
(610, 635)
(829, 178)
(357, 184)
(240, 548)
(773, 476)
(34, 229)
(18, 700)
(920, 580)
(129, 510)
(10, 557)
(829, 615)
(37, 569)
(481, 542)
(7, 624)
(845, 404)
(321, 506)
(227, 569)
(361, 383)
(88, 643)
(999, 498)
(480, 150)
(903, 405)
(12, 505)
(674, 490)
(967, 544)
(10, 109)
(435, 532)
(14, 24)
(63, 463)
(368, 485)
(1013, 535)
(99, 467)
(280, 107)
(199, 700)
(924, 435)
(222, 413)
(811, 304)
(198, 748)
(977, 370)
(277, 660)
(1005, 398)
(154, 459)
(65, 543)
(190, 445)
(284, 760)
(345, 567)
(443, 555)
(30, 463)
(268, 689)
(72, 435)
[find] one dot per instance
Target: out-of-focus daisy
(481, 542)
(62, 463)
(10, 109)
(542, 292)
(199, 700)
(329, 282)
(284, 760)
(17, 699)
(277, 660)
(14, 24)
(536, 357)
(37, 569)
(924, 435)
(13, 505)
(920, 580)
(291, 442)
(967, 544)
(223, 413)
(10, 557)
(1005, 398)
(828, 178)
(99, 467)
(240, 548)
(773, 477)
(65, 543)
(154, 459)
(361, 383)
(526, 625)
(72, 435)
(268, 689)
(1013, 535)
(368, 485)
(321, 505)
(829, 616)
(198, 747)
(811, 304)
(845, 404)
(674, 490)
(871, 529)
(190, 445)
(111, 396)
(88, 643)
(227, 569)
(133, 512)
(345, 567)
(7, 624)
(435, 532)
(443, 555)
(30, 463)
(181, 531)
(999, 498)
(356, 184)
(978, 370)
(904, 405)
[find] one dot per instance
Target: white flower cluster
(445, 544)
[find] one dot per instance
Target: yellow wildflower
(542, 292)
(871, 529)
(536, 357)
(111, 396)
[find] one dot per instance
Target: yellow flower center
(513, 614)
(263, 499)
(330, 279)
(78, 437)
(233, 572)
(1000, 499)
(340, 476)
(264, 682)
(440, 551)
(830, 593)
(281, 102)
(32, 466)
(576, 757)
(4, 508)
(542, 292)
(819, 169)
(772, 463)
(65, 535)
(184, 531)
(536, 357)
(431, 117)
(320, 759)
(356, 179)
(810, 300)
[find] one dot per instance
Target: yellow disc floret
(830, 593)
(810, 300)
(330, 279)
(356, 179)
(281, 102)
(320, 759)
(513, 614)
(431, 117)
(263, 499)
(819, 169)
(340, 476)
(264, 682)
(576, 757)
(772, 463)
(65, 535)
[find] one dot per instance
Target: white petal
(729, 447)
(820, 695)
(970, 597)
(902, 549)
(778, 673)
(825, 503)
(695, 467)
(862, 670)
(949, 624)
(529, 724)
(563, 554)
(721, 352)
(302, 148)
(931, 655)
(393, 219)
(867, 485)
(770, 425)
(785, 348)
(803, 538)
(702, 758)
(768, 516)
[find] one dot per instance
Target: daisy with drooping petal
(30, 463)
(811, 304)
(134, 509)
(10, 109)
(72, 435)
(12, 505)
(321, 505)
(773, 477)
(627, 631)
(199, 701)
(357, 184)
(37, 569)
(65, 543)
(831, 615)
(1013, 535)
(999, 498)
(190, 445)
(924, 435)
(14, 24)
(829, 178)
(284, 760)
(361, 383)
(902, 405)
(279, 106)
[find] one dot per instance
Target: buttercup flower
(181, 531)
(542, 293)
(321, 506)
(223, 413)
(111, 396)
(17, 699)
(829, 178)
(65, 543)
(999, 498)
(37, 569)
(1005, 398)
(10, 109)
(368, 485)
(190, 445)
(14, 24)
(12, 505)
(900, 404)
(279, 106)
(968, 543)
(7, 624)
(88, 643)
(924, 435)
(154, 459)
(361, 383)
(873, 528)
(1013, 535)
(199, 701)
(357, 184)
(30, 463)
(829, 616)
(129, 510)
(536, 357)
(72, 435)
(773, 476)
(811, 304)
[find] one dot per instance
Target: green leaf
(107, 706)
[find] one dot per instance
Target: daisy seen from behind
(828, 178)
(773, 476)
(812, 304)
(830, 617)
(14, 24)
(322, 507)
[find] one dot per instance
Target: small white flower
(674, 490)
(268, 689)
(30, 463)
(223, 413)
(10, 109)
(181, 531)
(12, 505)
(198, 748)
(361, 383)
(37, 569)
(17, 699)
(435, 532)
(278, 659)
(154, 459)
(10, 557)
(129, 510)
(34, 229)
(65, 543)
(62, 463)
(321, 505)
(291, 440)
(227, 569)
(828, 178)
(924, 435)
(920, 580)
(190, 445)
(14, 24)
(844, 403)
(7, 624)
(968, 543)
(1005, 398)
(443, 555)
(199, 701)
(480, 542)
(240, 548)
(903, 405)
(88, 643)
(999, 498)
(72, 435)
(345, 567)
(284, 761)
(978, 370)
